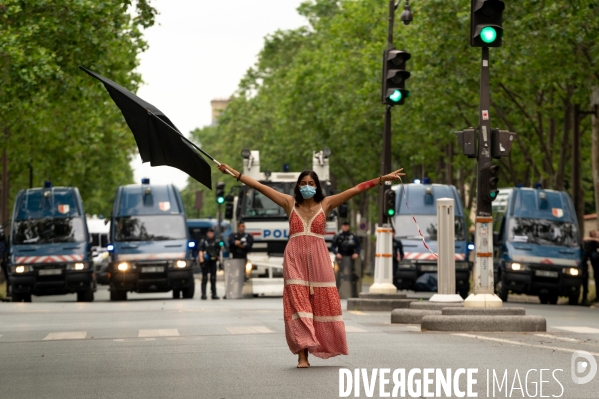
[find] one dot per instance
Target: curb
(484, 323)
(411, 316)
(378, 304)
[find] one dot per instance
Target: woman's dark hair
(319, 196)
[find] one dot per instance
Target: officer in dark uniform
(209, 254)
(398, 254)
(347, 249)
(240, 243)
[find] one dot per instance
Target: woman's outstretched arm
(333, 201)
(283, 200)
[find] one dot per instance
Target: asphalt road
(155, 347)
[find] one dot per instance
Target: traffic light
(389, 203)
(501, 143)
(220, 193)
(486, 19)
(490, 178)
(395, 76)
(467, 141)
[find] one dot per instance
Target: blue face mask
(307, 191)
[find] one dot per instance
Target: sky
(198, 51)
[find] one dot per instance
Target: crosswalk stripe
(66, 335)
(352, 329)
(580, 330)
(118, 340)
(250, 330)
(164, 332)
(558, 337)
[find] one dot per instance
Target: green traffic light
(493, 194)
(220, 244)
(488, 34)
(220, 200)
(390, 212)
(395, 96)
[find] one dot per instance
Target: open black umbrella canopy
(157, 138)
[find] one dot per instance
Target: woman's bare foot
(302, 359)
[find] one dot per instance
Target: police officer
(346, 247)
(398, 254)
(345, 243)
(240, 243)
(209, 253)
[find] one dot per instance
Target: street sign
(362, 228)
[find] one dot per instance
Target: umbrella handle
(218, 164)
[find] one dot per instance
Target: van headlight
(181, 264)
(248, 267)
(123, 266)
(76, 266)
(517, 267)
(572, 271)
(20, 269)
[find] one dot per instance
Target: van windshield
(48, 230)
(257, 205)
(406, 229)
(542, 232)
(150, 228)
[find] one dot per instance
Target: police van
(418, 260)
(536, 245)
(149, 242)
(98, 230)
(50, 245)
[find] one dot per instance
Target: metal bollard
(446, 291)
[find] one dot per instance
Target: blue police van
(50, 247)
(150, 249)
(536, 243)
(417, 259)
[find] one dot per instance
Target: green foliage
(59, 124)
(320, 85)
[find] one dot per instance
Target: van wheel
(548, 298)
(118, 295)
(502, 291)
(21, 297)
(176, 294)
(544, 298)
(573, 299)
(188, 292)
(85, 296)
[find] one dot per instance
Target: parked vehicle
(50, 246)
(149, 242)
(198, 229)
(536, 244)
(417, 259)
(98, 230)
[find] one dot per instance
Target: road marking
(558, 338)
(150, 339)
(507, 341)
(353, 329)
(250, 330)
(164, 332)
(580, 330)
(66, 335)
(0, 335)
(358, 313)
(118, 340)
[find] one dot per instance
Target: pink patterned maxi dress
(312, 309)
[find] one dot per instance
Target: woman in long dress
(312, 309)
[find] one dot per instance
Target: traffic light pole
(483, 268)
(383, 263)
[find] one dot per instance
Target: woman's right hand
(223, 167)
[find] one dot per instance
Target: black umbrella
(158, 140)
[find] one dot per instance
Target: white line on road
(66, 335)
(0, 335)
(250, 330)
(118, 340)
(580, 330)
(507, 341)
(558, 338)
(164, 332)
(352, 329)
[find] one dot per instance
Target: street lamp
(406, 15)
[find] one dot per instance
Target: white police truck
(268, 223)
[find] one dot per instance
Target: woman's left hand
(394, 175)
